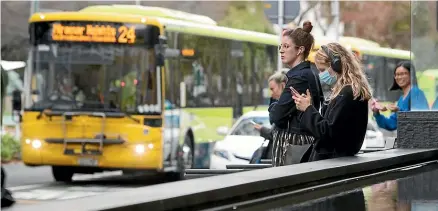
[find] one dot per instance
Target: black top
(343, 125)
(283, 113)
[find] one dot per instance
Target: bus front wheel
(62, 173)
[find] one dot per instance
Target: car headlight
(222, 153)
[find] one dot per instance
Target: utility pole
(34, 7)
(335, 13)
(280, 24)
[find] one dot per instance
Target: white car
(242, 140)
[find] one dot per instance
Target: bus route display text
(103, 33)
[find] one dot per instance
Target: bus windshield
(95, 77)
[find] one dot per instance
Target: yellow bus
(95, 99)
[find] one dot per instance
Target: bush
(10, 147)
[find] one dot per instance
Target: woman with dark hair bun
(290, 142)
(413, 98)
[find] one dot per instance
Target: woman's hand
(301, 101)
(376, 107)
(258, 127)
(393, 107)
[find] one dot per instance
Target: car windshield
(246, 127)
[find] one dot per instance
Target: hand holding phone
(294, 91)
(256, 126)
(376, 106)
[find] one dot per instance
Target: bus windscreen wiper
(118, 111)
(42, 110)
(131, 117)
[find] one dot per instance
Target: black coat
(340, 131)
(283, 113)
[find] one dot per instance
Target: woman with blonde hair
(340, 129)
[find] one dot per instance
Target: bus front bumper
(146, 156)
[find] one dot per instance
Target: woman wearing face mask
(340, 130)
(412, 99)
(290, 142)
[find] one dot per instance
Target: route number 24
(127, 35)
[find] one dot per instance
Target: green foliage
(248, 16)
(10, 147)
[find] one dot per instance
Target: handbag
(290, 148)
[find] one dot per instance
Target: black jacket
(341, 130)
(283, 113)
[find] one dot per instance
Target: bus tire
(181, 169)
(62, 173)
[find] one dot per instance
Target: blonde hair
(351, 74)
(278, 77)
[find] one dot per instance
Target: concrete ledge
(186, 194)
(417, 130)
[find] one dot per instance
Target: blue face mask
(326, 78)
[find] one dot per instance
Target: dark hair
(411, 69)
(302, 37)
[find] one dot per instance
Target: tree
(387, 23)
(323, 15)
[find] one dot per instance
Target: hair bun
(307, 26)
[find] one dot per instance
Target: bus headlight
(36, 144)
(139, 148)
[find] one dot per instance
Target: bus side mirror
(16, 100)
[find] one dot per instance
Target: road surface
(36, 185)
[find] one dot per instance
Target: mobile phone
(293, 91)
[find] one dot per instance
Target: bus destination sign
(94, 33)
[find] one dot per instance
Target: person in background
(7, 199)
(340, 129)
(290, 142)
(277, 83)
(413, 98)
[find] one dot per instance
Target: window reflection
(413, 193)
(246, 127)
(90, 77)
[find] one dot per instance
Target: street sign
(291, 10)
